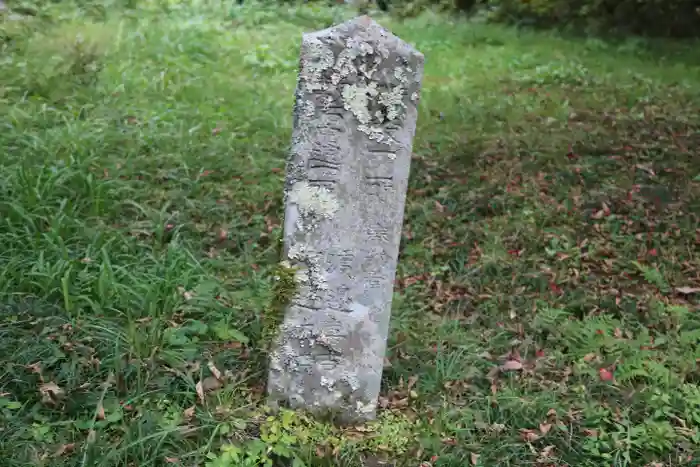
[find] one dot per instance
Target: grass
(546, 306)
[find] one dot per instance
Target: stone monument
(347, 175)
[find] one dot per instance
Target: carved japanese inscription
(347, 174)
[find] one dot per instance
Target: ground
(546, 305)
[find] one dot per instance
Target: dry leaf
(214, 370)
(208, 384)
(546, 453)
(200, 391)
(511, 365)
(545, 427)
(529, 436)
(189, 413)
(64, 449)
(412, 381)
(50, 392)
(172, 460)
(474, 458)
(100, 411)
(589, 357)
(687, 290)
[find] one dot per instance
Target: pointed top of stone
(364, 28)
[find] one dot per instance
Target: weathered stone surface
(347, 175)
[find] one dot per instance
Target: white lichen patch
(313, 200)
(356, 99)
(317, 57)
(376, 133)
(308, 274)
(393, 100)
(414, 97)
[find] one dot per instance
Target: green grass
(553, 219)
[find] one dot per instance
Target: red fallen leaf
(605, 374)
(653, 252)
(590, 432)
(223, 235)
(555, 288)
(539, 353)
(275, 170)
(434, 458)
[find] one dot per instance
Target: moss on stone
(284, 288)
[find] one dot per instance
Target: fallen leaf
(64, 449)
(50, 392)
(199, 387)
(511, 365)
(589, 357)
(687, 290)
(546, 453)
(214, 370)
(545, 427)
(605, 374)
(529, 436)
(100, 411)
(474, 458)
(189, 413)
(172, 460)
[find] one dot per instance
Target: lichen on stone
(356, 99)
(313, 200)
(316, 58)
